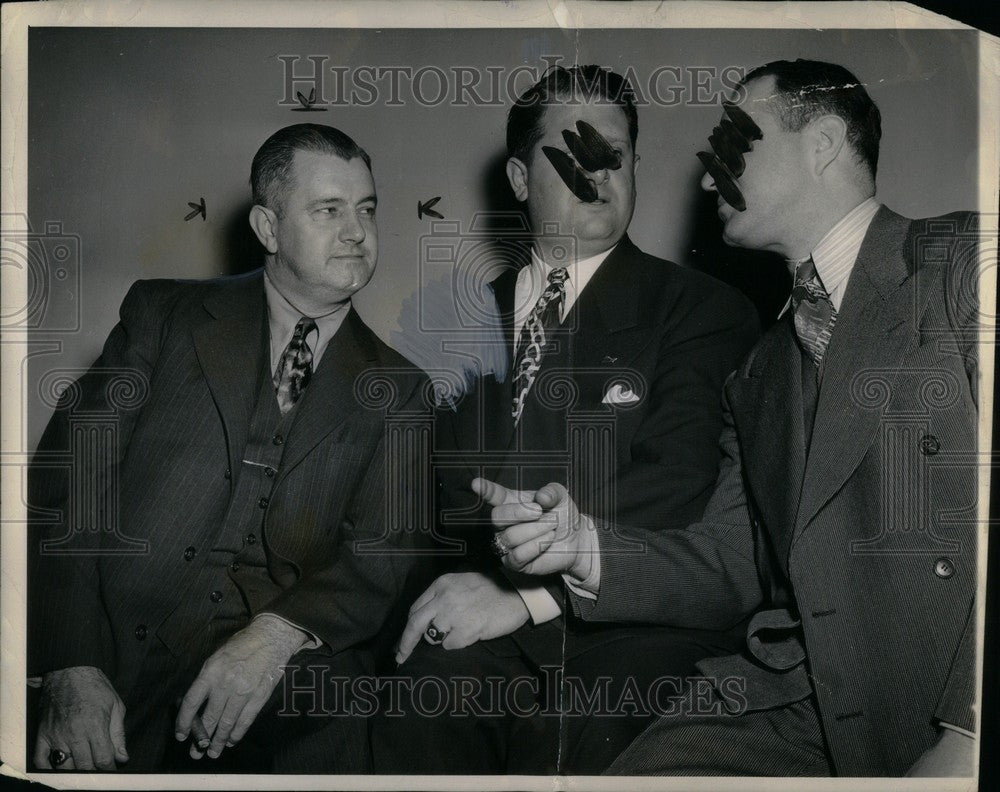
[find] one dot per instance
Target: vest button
(269, 472)
(228, 474)
(251, 539)
(235, 566)
(215, 596)
(929, 445)
(141, 632)
(189, 553)
(277, 439)
(263, 503)
(944, 568)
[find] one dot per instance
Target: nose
(352, 229)
(601, 176)
(707, 182)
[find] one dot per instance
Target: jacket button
(189, 553)
(277, 439)
(269, 472)
(251, 539)
(228, 474)
(235, 566)
(929, 445)
(141, 632)
(943, 568)
(263, 503)
(215, 596)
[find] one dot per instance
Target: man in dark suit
(239, 538)
(844, 516)
(616, 360)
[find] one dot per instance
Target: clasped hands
(543, 534)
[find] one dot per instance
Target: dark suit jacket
(861, 555)
(191, 353)
(669, 335)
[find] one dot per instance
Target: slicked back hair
(807, 89)
(526, 118)
(271, 170)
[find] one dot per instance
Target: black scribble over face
(573, 176)
(730, 140)
(590, 152)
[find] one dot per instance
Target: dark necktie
(543, 317)
(295, 367)
(814, 313)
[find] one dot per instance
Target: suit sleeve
(67, 623)
(370, 583)
(674, 454)
(703, 576)
(956, 703)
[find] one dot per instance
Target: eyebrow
(338, 201)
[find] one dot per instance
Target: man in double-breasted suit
(844, 514)
(238, 538)
(616, 359)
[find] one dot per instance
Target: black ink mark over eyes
(730, 145)
(426, 208)
(725, 182)
(730, 140)
(308, 105)
(572, 175)
(199, 209)
(591, 148)
(744, 123)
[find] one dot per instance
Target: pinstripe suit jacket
(192, 352)
(857, 550)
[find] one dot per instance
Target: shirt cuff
(958, 729)
(313, 643)
(591, 585)
(541, 605)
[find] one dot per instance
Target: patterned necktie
(295, 367)
(814, 313)
(545, 315)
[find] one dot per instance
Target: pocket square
(620, 394)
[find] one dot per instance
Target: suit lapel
(607, 310)
(229, 349)
(878, 318)
(330, 398)
(768, 408)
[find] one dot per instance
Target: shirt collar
(283, 316)
(580, 272)
(836, 252)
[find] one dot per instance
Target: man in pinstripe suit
(250, 474)
(844, 513)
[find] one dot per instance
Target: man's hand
(544, 531)
(236, 682)
(469, 606)
(952, 756)
(81, 715)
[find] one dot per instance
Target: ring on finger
(57, 757)
(435, 634)
(499, 545)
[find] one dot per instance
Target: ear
(517, 175)
(827, 137)
(263, 221)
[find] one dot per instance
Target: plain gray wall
(128, 125)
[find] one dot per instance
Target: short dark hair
(525, 119)
(272, 164)
(807, 89)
